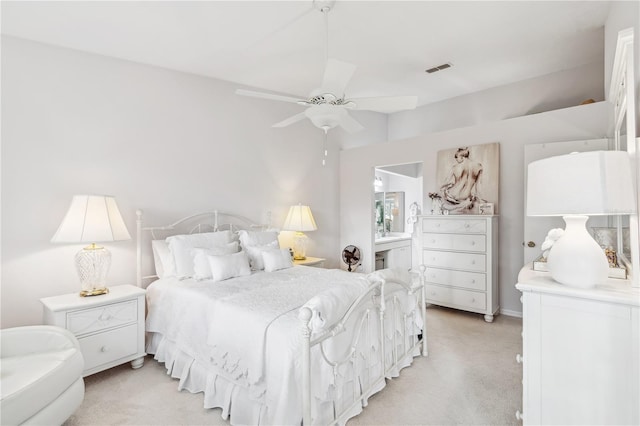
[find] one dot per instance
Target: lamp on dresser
(576, 186)
(92, 219)
(299, 220)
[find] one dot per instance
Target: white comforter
(236, 328)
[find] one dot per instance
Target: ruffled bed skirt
(240, 404)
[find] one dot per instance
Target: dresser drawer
(109, 346)
(455, 297)
(466, 242)
(475, 226)
(467, 280)
(462, 261)
(102, 317)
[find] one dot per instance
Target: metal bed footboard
(386, 303)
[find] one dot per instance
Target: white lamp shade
(300, 219)
(586, 183)
(90, 219)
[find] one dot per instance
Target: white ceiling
(279, 46)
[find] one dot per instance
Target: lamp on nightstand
(576, 186)
(91, 219)
(300, 220)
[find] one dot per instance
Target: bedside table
(109, 327)
(317, 262)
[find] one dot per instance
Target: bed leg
(305, 317)
(423, 307)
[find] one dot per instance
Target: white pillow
(201, 267)
(257, 238)
(229, 266)
(255, 254)
(181, 246)
(165, 266)
(276, 259)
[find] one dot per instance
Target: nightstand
(317, 262)
(109, 327)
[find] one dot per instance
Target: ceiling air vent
(439, 68)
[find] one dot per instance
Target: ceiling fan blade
(270, 96)
(386, 104)
(336, 76)
(349, 124)
(290, 120)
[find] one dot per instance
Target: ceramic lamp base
(576, 259)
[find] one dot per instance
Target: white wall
(553, 91)
(357, 170)
(167, 142)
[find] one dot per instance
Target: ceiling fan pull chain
(326, 152)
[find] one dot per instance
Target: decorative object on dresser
(110, 329)
(91, 219)
(461, 256)
(299, 220)
(581, 359)
(576, 186)
(466, 177)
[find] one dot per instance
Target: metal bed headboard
(208, 221)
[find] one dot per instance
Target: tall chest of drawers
(461, 253)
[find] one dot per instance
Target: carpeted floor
(470, 377)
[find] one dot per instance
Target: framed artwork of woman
(467, 177)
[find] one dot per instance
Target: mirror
(389, 212)
(396, 187)
(621, 94)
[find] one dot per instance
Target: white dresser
(461, 256)
(109, 327)
(581, 361)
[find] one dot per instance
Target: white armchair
(41, 370)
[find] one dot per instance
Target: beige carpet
(470, 377)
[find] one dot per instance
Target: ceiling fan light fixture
(325, 116)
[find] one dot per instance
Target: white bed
(294, 345)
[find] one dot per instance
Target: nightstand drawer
(102, 318)
(109, 346)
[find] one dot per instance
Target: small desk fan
(351, 256)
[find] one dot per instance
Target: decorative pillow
(229, 266)
(255, 254)
(165, 266)
(181, 246)
(276, 259)
(201, 267)
(257, 238)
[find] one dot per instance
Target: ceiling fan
(327, 106)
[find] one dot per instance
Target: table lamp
(576, 186)
(91, 219)
(300, 220)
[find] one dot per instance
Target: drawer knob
(466, 225)
(473, 243)
(473, 299)
(104, 349)
(104, 317)
(433, 241)
(519, 415)
(473, 262)
(519, 359)
(473, 281)
(433, 293)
